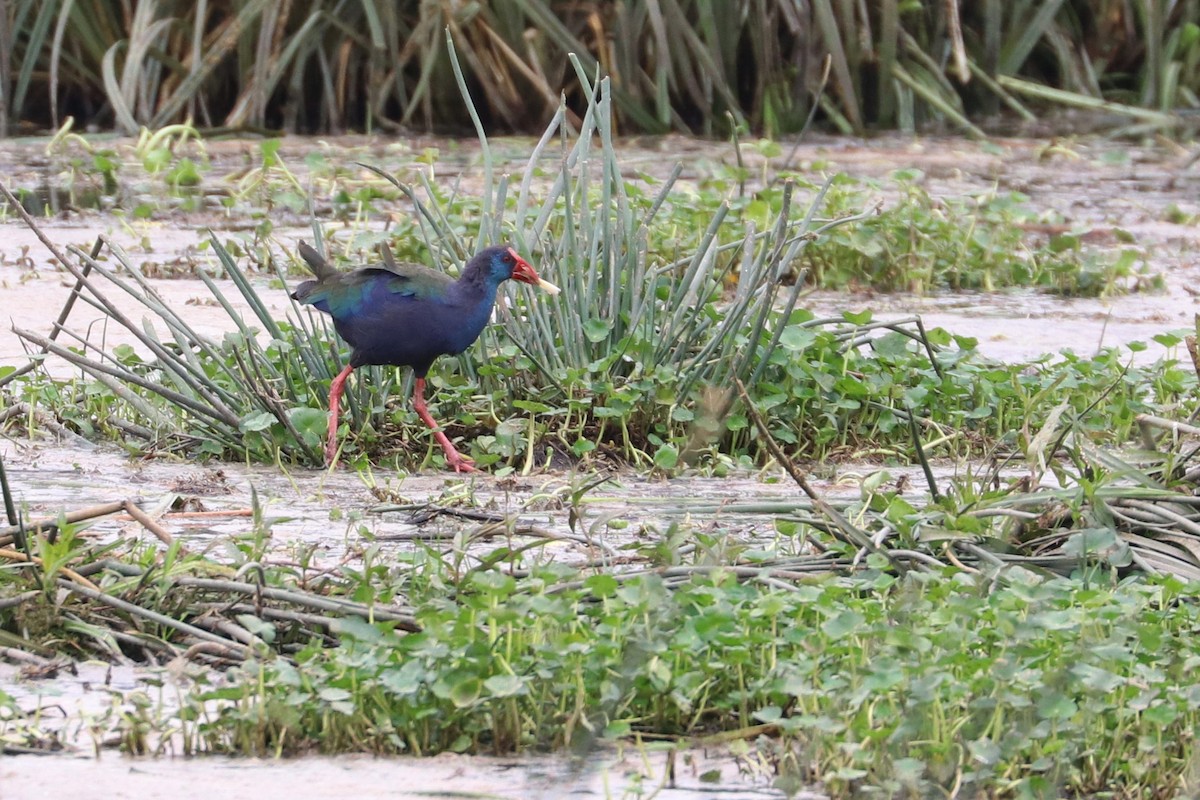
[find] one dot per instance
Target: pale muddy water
(1106, 187)
(604, 776)
(1101, 190)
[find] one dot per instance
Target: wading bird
(406, 315)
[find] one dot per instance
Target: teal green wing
(347, 294)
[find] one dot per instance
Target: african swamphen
(408, 315)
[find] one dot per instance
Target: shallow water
(601, 775)
(1101, 190)
(331, 516)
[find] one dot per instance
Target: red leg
(335, 399)
(455, 459)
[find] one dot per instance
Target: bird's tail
(316, 262)
(319, 267)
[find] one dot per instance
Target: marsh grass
(219, 393)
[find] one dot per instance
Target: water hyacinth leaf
(596, 330)
(681, 414)
(985, 751)
(601, 585)
(356, 628)
(796, 338)
(1097, 679)
(533, 407)
(666, 457)
(466, 691)
(310, 422)
(333, 694)
(1055, 705)
(842, 624)
(259, 627)
(504, 685)
(257, 421)
(493, 583)
(769, 714)
(891, 344)
(409, 679)
(514, 426)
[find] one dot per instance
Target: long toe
(461, 463)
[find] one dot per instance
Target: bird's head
(504, 263)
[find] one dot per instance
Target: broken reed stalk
(205, 618)
(60, 323)
(849, 533)
(225, 652)
(1161, 119)
(39, 416)
(212, 408)
(151, 616)
(149, 524)
(402, 617)
(215, 514)
(1172, 425)
(8, 534)
(493, 525)
(10, 509)
(18, 599)
(22, 657)
(774, 574)
(1193, 353)
(220, 625)
(303, 618)
(920, 451)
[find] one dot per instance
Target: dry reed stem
(149, 524)
(850, 533)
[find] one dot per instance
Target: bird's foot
(460, 463)
(454, 459)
